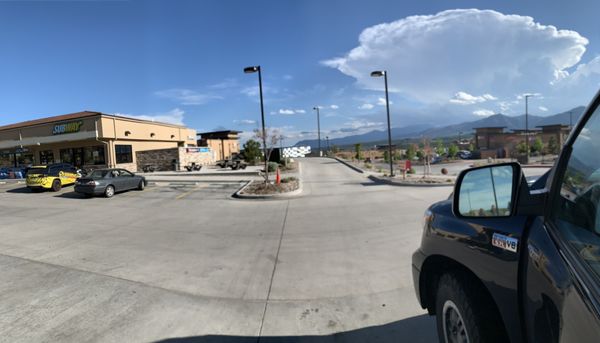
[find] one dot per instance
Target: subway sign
(69, 127)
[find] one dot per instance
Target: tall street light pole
(383, 73)
(254, 69)
(316, 108)
(327, 138)
(570, 119)
(527, 96)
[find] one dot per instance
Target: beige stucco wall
(98, 130)
(130, 129)
(223, 149)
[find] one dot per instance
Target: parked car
(52, 176)
(465, 154)
(108, 182)
(236, 161)
(501, 261)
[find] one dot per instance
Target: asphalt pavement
(191, 262)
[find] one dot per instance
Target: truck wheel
(464, 313)
(56, 186)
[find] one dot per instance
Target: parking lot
(188, 260)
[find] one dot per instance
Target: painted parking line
(185, 194)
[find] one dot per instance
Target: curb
(356, 169)
(278, 196)
(407, 184)
(189, 182)
(202, 175)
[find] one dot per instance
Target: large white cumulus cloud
(432, 57)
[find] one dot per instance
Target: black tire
(464, 310)
(56, 185)
(234, 167)
(141, 186)
(109, 191)
(243, 166)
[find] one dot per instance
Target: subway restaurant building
(88, 140)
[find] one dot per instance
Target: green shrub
(288, 179)
(272, 167)
(412, 171)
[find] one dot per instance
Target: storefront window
(94, 155)
(6, 159)
(46, 157)
(25, 159)
(66, 155)
(123, 153)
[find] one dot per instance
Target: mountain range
(466, 128)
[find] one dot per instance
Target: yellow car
(52, 176)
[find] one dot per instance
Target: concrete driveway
(193, 264)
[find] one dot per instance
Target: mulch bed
(261, 188)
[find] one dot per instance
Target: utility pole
(316, 108)
(527, 124)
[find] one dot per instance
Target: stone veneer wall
(162, 159)
(132, 167)
(187, 158)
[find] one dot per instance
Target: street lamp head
(378, 73)
(316, 108)
(249, 70)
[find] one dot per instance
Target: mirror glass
(486, 192)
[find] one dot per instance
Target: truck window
(577, 210)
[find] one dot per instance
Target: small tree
(335, 149)
(272, 139)
(538, 145)
(452, 151)
(386, 156)
(411, 152)
(471, 147)
(439, 147)
(552, 146)
(357, 149)
(252, 151)
(521, 148)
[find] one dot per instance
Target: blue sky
(182, 61)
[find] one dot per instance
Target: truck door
(561, 266)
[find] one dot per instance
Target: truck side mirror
(489, 191)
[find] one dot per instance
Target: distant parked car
(108, 182)
(53, 176)
(465, 154)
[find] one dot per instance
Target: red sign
(407, 165)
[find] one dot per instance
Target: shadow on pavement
(23, 189)
(71, 195)
(415, 330)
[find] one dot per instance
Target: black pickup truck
(502, 261)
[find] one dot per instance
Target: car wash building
(95, 140)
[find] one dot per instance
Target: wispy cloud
(187, 96)
(381, 101)
(483, 113)
(366, 107)
(334, 107)
(464, 98)
(225, 84)
(174, 116)
(288, 111)
(245, 122)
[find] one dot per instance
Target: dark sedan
(107, 182)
